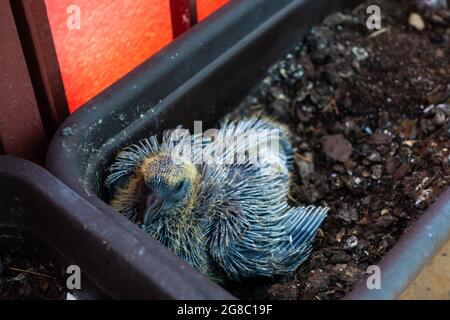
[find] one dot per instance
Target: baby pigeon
(229, 218)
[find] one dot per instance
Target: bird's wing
(253, 230)
(256, 239)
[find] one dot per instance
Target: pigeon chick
(229, 218)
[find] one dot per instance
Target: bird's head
(161, 187)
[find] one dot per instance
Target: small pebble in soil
(416, 21)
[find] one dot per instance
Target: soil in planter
(371, 113)
(25, 272)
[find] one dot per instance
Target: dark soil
(25, 271)
(371, 110)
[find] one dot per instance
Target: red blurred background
(206, 7)
(114, 37)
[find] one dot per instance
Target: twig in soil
(303, 158)
(293, 200)
(332, 104)
(32, 272)
(379, 32)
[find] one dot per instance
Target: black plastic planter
(203, 76)
(78, 233)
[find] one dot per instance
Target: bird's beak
(153, 206)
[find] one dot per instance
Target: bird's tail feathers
(303, 222)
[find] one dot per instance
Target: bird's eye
(179, 186)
